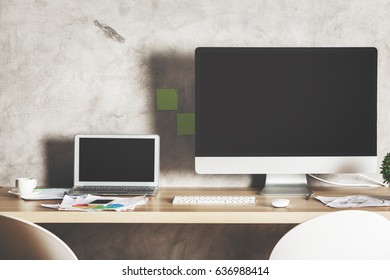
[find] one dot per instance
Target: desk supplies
(15, 192)
(41, 194)
(354, 201)
(85, 203)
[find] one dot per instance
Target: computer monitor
(292, 111)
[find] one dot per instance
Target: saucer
(16, 193)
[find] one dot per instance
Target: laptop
(116, 164)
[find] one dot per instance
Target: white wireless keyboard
(217, 200)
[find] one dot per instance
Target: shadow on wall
(177, 152)
(177, 70)
(164, 70)
(173, 70)
(59, 162)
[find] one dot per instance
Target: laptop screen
(116, 159)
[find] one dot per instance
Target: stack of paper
(45, 194)
(85, 203)
(354, 201)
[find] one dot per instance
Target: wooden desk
(160, 230)
(160, 209)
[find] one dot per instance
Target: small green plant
(385, 168)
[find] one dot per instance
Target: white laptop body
(116, 164)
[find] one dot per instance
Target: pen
(80, 205)
(309, 195)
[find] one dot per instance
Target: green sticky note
(167, 99)
(186, 124)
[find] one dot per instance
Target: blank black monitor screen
(286, 101)
(116, 160)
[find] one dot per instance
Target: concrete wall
(61, 74)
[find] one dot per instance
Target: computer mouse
(280, 202)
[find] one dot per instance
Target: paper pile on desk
(81, 203)
(354, 201)
(45, 194)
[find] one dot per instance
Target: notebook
(116, 164)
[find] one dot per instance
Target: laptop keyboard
(115, 189)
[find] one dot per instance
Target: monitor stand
(285, 184)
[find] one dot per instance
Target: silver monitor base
(280, 184)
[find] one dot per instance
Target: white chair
(340, 235)
(22, 240)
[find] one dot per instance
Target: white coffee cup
(25, 185)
